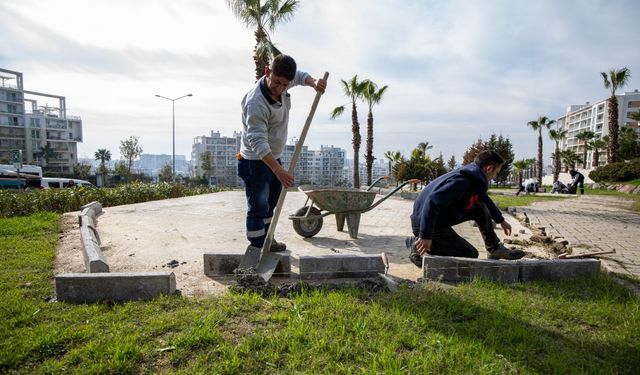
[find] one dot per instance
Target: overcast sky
(457, 70)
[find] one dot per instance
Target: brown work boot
(501, 252)
(277, 247)
(414, 256)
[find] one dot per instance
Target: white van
(62, 183)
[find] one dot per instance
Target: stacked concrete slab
(98, 283)
(223, 263)
(506, 271)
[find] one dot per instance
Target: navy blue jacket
(445, 200)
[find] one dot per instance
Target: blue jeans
(262, 189)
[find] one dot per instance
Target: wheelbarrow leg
(340, 222)
(353, 224)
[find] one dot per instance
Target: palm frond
(337, 111)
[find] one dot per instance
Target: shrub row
(617, 172)
(14, 203)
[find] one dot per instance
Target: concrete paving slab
(531, 270)
(338, 266)
(117, 286)
(466, 269)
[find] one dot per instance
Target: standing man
(453, 198)
(265, 120)
(578, 180)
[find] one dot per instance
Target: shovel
(266, 261)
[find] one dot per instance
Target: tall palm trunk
(596, 156)
(556, 163)
(357, 140)
(540, 156)
(613, 129)
(584, 155)
(369, 157)
(261, 59)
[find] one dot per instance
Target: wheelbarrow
(345, 203)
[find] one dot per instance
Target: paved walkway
(594, 223)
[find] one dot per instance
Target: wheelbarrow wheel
(310, 226)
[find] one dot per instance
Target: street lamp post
(173, 103)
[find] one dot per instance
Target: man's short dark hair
(573, 172)
(284, 66)
(486, 158)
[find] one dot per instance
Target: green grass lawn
(505, 201)
(587, 325)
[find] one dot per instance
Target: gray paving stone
(531, 270)
(338, 266)
(116, 286)
(223, 263)
(465, 269)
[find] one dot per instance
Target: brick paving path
(598, 223)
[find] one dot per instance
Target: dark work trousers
(262, 189)
(447, 242)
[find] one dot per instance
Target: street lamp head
(190, 95)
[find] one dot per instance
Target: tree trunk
(357, 140)
(369, 157)
(261, 61)
(556, 163)
(540, 156)
(596, 156)
(584, 155)
(613, 129)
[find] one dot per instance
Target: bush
(617, 172)
(14, 203)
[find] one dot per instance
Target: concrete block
(465, 269)
(93, 209)
(94, 261)
(116, 286)
(557, 269)
(222, 263)
(339, 266)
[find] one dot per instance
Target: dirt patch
(69, 257)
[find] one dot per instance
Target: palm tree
(585, 136)
(47, 153)
(104, 156)
(596, 145)
(614, 80)
(606, 139)
(519, 167)
(394, 158)
(569, 159)
(542, 122)
(354, 91)
(556, 135)
(372, 95)
(263, 15)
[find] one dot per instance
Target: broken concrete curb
(116, 286)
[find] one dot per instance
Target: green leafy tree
(130, 151)
(207, 164)
(541, 123)
(596, 145)
(614, 80)
(104, 156)
(504, 148)
(394, 158)
(372, 95)
(556, 135)
(81, 170)
(353, 89)
(629, 145)
(166, 173)
(263, 15)
(585, 136)
(451, 164)
(120, 168)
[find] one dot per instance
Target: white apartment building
(317, 167)
(379, 168)
(595, 117)
(152, 164)
(30, 120)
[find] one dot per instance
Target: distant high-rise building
(45, 133)
(317, 167)
(152, 164)
(595, 117)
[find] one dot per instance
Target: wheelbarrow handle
(414, 181)
(376, 181)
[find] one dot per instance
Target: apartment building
(317, 167)
(379, 168)
(595, 117)
(30, 121)
(152, 164)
